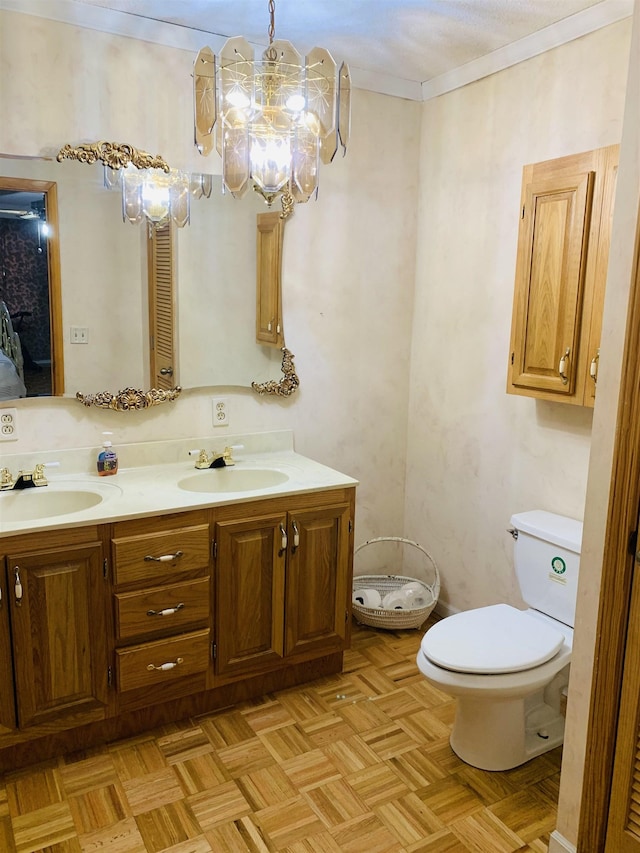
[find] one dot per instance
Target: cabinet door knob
(563, 367)
(593, 367)
(283, 540)
(296, 537)
(166, 371)
(17, 586)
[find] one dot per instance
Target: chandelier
(273, 120)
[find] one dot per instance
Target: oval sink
(45, 502)
(232, 480)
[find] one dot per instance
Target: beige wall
(349, 267)
(477, 455)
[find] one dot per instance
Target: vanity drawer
(160, 556)
(163, 608)
(162, 661)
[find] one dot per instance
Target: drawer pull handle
(169, 611)
(166, 558)
(165, 667)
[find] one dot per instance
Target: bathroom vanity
(178, 592)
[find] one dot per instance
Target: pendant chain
(272, 26)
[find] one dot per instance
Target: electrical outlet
(79, 335)
(8, 424)
(220, 407)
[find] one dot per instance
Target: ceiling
(415, 43)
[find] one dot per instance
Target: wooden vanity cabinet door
(59, 634)
(318, 579)
(249, 593)
(7, 695)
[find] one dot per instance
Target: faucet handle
(203, 460)
(38, 477)
(6, 479)
(227, 456)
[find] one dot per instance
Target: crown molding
(589, 20)
(171, 35)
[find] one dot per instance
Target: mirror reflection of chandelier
(273, 119)
(157, 195)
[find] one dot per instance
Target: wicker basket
(393, 620)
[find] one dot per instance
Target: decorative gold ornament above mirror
(275, 118)
(116, 155)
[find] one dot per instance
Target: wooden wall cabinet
(563, 251)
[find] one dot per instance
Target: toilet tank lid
(557, 529)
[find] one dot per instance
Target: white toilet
(506, 667)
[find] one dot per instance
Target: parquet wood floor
(354, 763)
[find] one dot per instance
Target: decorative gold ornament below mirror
(114, 154)
(287, 386)
(130, 399)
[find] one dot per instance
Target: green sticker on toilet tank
(558, 565)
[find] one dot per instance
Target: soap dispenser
(107, 458)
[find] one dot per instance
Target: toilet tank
(547, 559)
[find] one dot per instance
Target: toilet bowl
(508, 668)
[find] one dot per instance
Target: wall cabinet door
(58, 616)
(316, 609)
(250, 561)
(563, 248)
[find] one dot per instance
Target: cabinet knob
(296, 537)
(283, 540)
(17, 585)
(563, 367)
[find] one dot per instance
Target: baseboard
(442, 609)
(559, 844)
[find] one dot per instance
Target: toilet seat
(491, 640)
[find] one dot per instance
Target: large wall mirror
(102, 325)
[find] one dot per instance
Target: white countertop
(151, 488)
